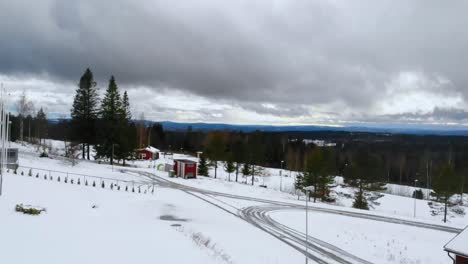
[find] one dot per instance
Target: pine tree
(111, 120)
(215, 148)
(41, 120)
(360, 201)
(229, 168)
(246, 171)
(127, 143)
(446, 184)
(85, 112)
(202, 166)
(299, 183)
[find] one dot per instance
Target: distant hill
(391, 129)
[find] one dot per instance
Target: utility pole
(281, 176)
(414, 192)
(4, 124)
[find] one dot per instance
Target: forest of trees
(366, 160)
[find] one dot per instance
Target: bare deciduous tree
(24, 108)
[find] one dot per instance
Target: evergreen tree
(360, 201)
(446, 184)
(202, 166)
(215, 148)
(84, 112)
(364, 171)
(126, 141)
(41, 121)
(299, 182)
(229, 167)
(111, 123)
(238, 153)
(314, 167)
(246, 171)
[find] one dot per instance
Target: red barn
(185, 168)
(457, 248)
(148, 153)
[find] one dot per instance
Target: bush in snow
(418, 194)
(27, 209)
(66, 180)
(30, 173)
(103, 185)
(94, 184)
(71, 181)
(22, 173)
(79, 183)
(360, 201)
(112, 186)
(15, 172)
(86, 183)
(58, 178)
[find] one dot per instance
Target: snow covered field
(126, 227)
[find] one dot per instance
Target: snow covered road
(257, 214)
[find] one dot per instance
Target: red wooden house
(185, 168)
(457, 248)
(148, 153)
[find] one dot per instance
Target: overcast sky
(246, 61)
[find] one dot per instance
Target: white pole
(307, 228)
(281, 177)
(414, 192)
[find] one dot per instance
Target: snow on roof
(459, 244)
(151, 149)
(184, 157)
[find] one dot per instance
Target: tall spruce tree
(126, 141)
(446, 184)
(84, 112)
(111, 122)
(41, 123)
(229, 167)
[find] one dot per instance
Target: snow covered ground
(129, 227)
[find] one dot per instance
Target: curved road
(318, 250)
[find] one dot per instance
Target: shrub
(58, 178)
(22, 173)
(418, 194)
(66, 180)
(71, 181)
(360, 201)
(27, 209)
(78, 182)
(15, 171)
(103, 185)
(44, 155)
(30, 173)
(94, 184)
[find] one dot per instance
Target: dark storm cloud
(283, 52)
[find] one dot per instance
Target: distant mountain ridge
(391, 129)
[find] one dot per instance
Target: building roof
(151, 149)
(459, 244)
(184, 157)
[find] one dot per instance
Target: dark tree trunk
(87, 145)
(216, 168)
(83, 151)
(237, 170)
(445, 211)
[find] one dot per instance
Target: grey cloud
(303, 52)
(437, 115)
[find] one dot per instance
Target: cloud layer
(284, 61)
